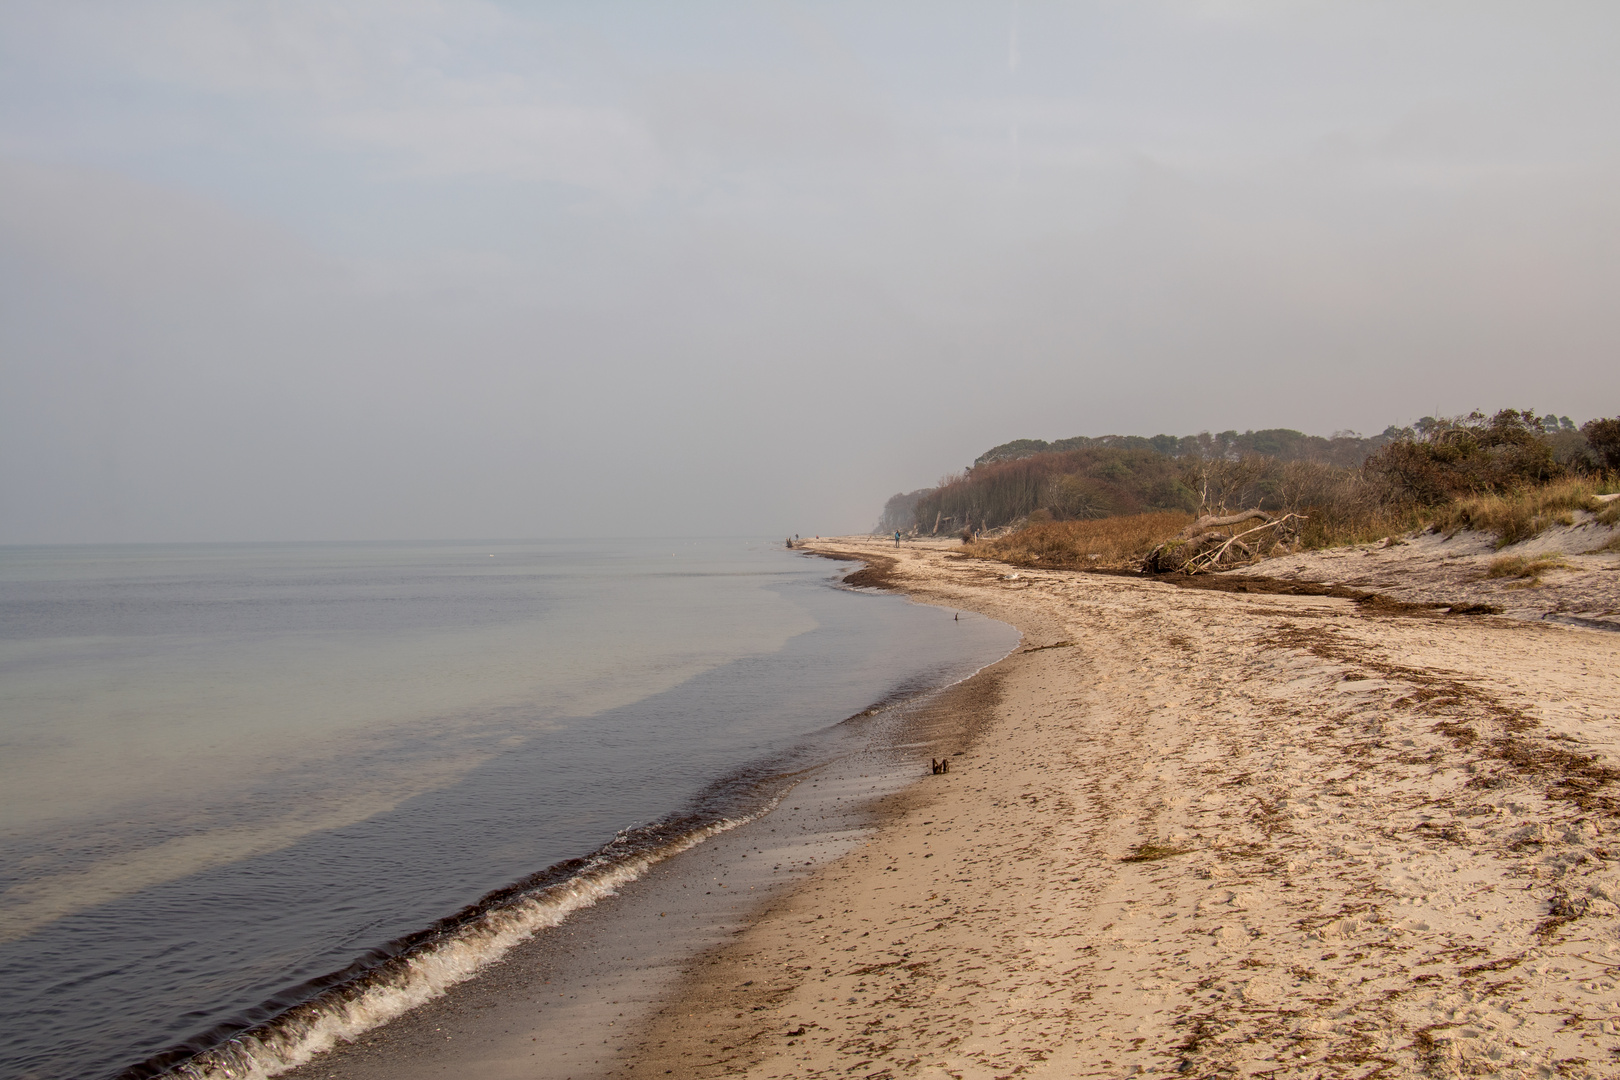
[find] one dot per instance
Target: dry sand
(1579, 583)
(1208, 834)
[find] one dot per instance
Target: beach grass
(1526, 568)
(1516, 516)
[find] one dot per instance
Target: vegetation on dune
(1470, 455)
(1521, 513)
(1113, 501)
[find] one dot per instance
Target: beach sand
(1205, 834)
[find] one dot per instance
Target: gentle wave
(428, 970)
(415, 970)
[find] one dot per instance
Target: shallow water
(227, 770)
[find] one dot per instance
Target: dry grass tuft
(1330, 526)
(1519, 566)
(1150, 852)
(1111, 543)
(1520, 515)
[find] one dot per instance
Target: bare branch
(1202, 557)
(1230, 519)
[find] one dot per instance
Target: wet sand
(568, 1003)
(1207, 834)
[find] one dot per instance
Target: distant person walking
(897, 538)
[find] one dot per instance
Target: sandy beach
(1183, 832)
(1206, 834)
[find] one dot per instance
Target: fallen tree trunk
(1201, 547)
(1206, 523)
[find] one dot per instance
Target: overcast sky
(414, 269)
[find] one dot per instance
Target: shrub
(1466, 455)
(1603, 436)
(1340, 506)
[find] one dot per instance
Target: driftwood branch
(1204, 524)
(1210, 559)
(1201, 547)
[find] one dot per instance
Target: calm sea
(234, 775)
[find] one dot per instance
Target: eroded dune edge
(1209, 834)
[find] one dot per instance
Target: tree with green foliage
(1465, 455)
(1603, 436)
(1279, 470)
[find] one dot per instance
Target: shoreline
(614, 960)
(1207, 834)
(484, 724)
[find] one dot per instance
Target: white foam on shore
(307, 1031)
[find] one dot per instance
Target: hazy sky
(468, 269)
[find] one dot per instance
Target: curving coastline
(619, 937)
(1207, 834)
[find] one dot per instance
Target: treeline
(1434, 461)
(1344, 448)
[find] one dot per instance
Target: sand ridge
(1209, 834)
